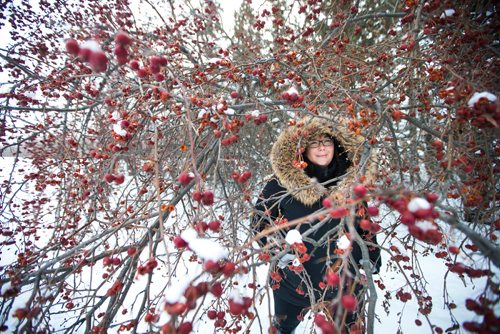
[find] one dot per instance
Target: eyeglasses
(327, 142)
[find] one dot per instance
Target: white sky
(228, 9)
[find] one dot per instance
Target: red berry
(359, 191)
(185, 328)
(212, 266)
(202, 288)
(197, 196)
(454, 249)
(327, 203)
(201, 226)
(109, 178)
(131, 251)
(471, 305)
(207, 198)
(142, 73)
(365, 224)
(423, 213)
(457, 268)
(246, 175)
(179, 242)
(332, 279)
(431, 197)
(121, 60)
(234, 94)
(327, 328)
(372, 211)
(319, 319)
(120, 51)
(235, 308)
(375, 228)
(184, 178)
(212, 314)
(122, 38)
(151, 264)
(396, 115)
(115, 288)
(407, 218)
(159, 77)
(349, 302)
(214, 226)
(438, 144)
(162, 61)
(175, 308)
(154, 62)
(134, 64)
(339, 213)
(98, 61)
(84, 54)
(247, 302)
(72, 47)
(119, 179)
(107, 261)
(468, 168)
(151, 318)
(216, 290)
(228, 269)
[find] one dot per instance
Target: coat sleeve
(373, 251)
(266, 209)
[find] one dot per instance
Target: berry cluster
(122, 40)
(483, 114)
(148, 267)
(116, 178)
(90, 52)
(239, 306)
(206, 197)
(243, 178)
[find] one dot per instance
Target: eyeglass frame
(318, 143)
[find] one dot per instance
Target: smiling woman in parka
(311, 161)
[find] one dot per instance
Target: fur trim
(288, 149)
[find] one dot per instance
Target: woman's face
(320, 151)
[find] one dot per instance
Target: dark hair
(337, 167)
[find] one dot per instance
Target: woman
(310, 162)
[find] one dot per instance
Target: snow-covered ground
(399, 319)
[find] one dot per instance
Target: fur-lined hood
(287, 152)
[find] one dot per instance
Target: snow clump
(418, 204)
(293, 236)
(478, 96)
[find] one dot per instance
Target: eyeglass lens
(324, 142)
